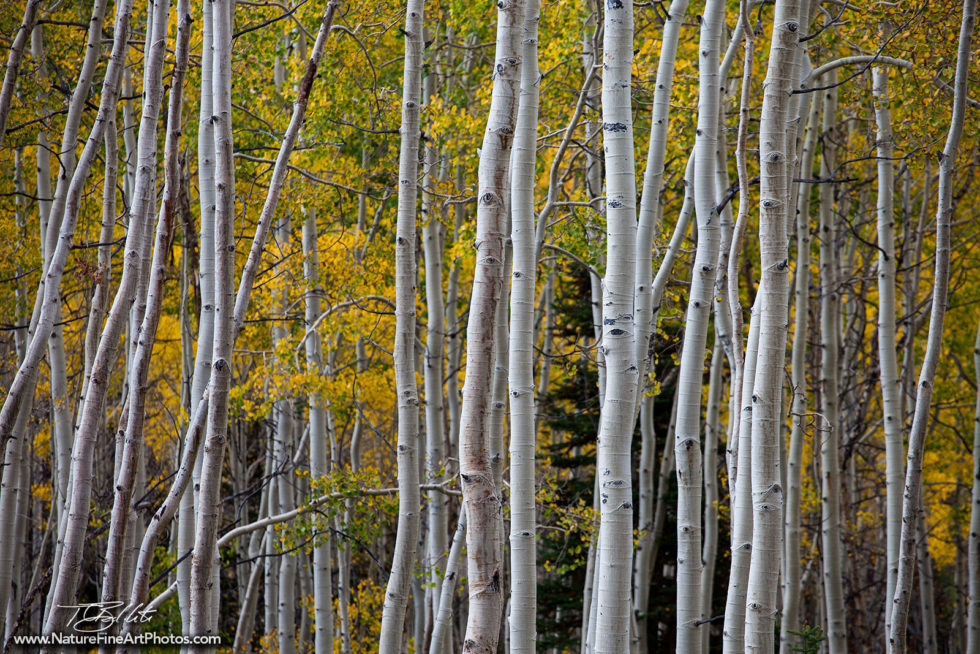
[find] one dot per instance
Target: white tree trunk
(887, 348)
(205, 332)
(480, 493)
(711, 429)
(687, 445)
(523, 437)
(203, 584)
(406, 540)
(973, 610)
(619, 334)
(772, 313)
(14, 58)
(916, 440)
(319, 466)
(792, 588)
(830, 441)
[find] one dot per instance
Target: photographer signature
(100, 616)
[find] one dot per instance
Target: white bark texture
(406, 539)
(792, 587)
(319, 465)
(830, 437)
(480, 494)
(687, 446)
(772, 313)
(205, 331)
(15, 56)
(523, 437)
(973, 547)
(934, 341)
(891, 390)
(209, 499)
(619, 333)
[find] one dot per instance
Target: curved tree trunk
(927, 374)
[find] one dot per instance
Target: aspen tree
(687, 446)
(322, 601)
(648, 217)
(406, 539)
(613, 467)
(202, 581)
(205, 330)
(830, 440)
(973, 610)
(523, 437)
(792, 587)
(920, 420)
(141, 216)
(480, 494)
(114, 579)
(15, 56)
(888, 358)
(771, 311)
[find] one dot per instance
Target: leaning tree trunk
(406, 539)
(480, 495)
(934, 342)
(771, 311)
(14, 58)
(140, 219)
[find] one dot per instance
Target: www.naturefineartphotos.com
(589, 326)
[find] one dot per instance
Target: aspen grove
(505, 327)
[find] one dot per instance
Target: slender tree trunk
(772, 313)
(480, 494)
(203, 584)
(830, 442)
(206, 270)
(619, 333)
(973, 557)
(916, 440)
(792, 587)
(687, 445)
(523, 438)
(890, 381)
(927, 594)
(322, 601)
(711, 429)
(113, 580)
(406, 540)
(15, 56)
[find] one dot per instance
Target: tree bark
(927, 374)
(480, 494)
(772, 313)
(687, 445)
(406, 539)
(523, 437)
